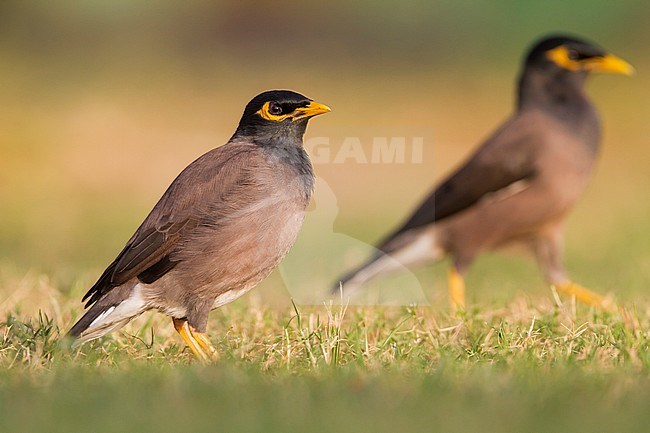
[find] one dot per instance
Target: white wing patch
(507, 191)
(101, 317)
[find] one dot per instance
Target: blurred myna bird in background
(520, 184)
(220, 228)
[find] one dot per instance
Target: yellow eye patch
(607, 63)
(265, 113)
(310, 110)
(560, 56)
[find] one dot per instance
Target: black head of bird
(278, 115)
(556, 67)
(569, 54)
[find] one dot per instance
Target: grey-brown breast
(243, 239)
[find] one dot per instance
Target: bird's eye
(275, 109)
(573, 54)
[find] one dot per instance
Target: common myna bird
(220, 228)
(520, 184)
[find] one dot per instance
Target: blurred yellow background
(103, 103)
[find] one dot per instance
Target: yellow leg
(585, 295)
(196, 341)
(456, 286)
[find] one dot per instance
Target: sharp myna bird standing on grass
(520, 184)
(219, 229)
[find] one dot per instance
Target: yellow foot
(586, 296)
(456, 285)
(196, 341)
(206, 345)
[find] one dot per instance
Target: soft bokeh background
(103, 103)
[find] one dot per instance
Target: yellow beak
(609, 64)
(311, 110)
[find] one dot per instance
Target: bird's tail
(407, 250)
(109, 313)
(380, 263)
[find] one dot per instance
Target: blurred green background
(103, 103)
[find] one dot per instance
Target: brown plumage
(520, 184)
(220, 228)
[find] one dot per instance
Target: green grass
(514, 368)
